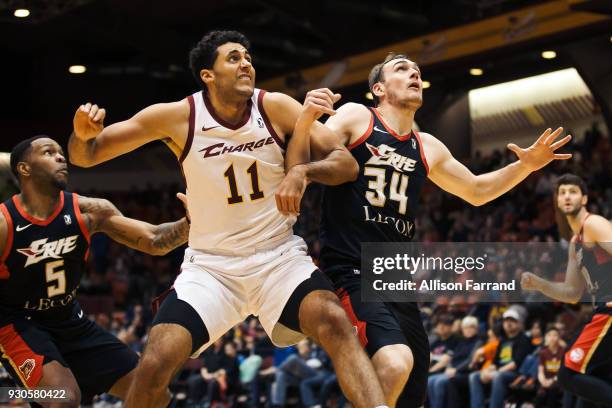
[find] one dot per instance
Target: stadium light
(369, 96)
(549, 54)
(426, 84)
(476, 71)
(21, 13)
(77, 69)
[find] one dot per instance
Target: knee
(397, 367)
(332, 323)
(475, 378)
(156, 369)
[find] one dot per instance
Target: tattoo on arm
(170, 235)
(95, 211)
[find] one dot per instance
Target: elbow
(80, 162)
(477, 201)
(353, 170)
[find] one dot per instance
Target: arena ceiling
(136, 51)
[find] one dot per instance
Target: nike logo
(20, 228)
(204, 128)
(80, 314)
(379, 130)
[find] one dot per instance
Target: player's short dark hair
(446, 319)
(573, 180)
(204, 53)
(377, 74)
(19, 152)
(552, 328)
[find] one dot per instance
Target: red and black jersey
(379, 206)
(598, 264)
(42, 262)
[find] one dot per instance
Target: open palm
(543, 150)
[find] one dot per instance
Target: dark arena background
(494, 72)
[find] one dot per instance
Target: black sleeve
(520, 349)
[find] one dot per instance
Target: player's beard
(60, 184)
(573, 212)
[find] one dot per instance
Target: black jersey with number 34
(41, 265)
(380, 205)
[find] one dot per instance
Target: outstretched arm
(569, 291)
(452, 176)
(91, 143)
(102, 216)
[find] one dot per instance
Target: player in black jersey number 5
(380, 206)
(45, 340)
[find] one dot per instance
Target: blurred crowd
(469, 340)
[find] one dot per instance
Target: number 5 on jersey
(235, 197)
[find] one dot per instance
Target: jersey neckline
(388, 128)
(38, 221)
(211, 109)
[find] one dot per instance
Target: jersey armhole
(9, 231)
(266, 119)
(365, 135)
(422, 151)
(191, 130)
(77, 212)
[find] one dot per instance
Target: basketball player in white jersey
(387, 148)
(242, 258)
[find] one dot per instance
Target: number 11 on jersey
(235, 197)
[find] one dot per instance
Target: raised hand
(543, 150)
(319, 102)
(88, 121)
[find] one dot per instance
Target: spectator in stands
(322, 381)
(293, 370)
(442, 348)
(466, 346)
(550, 357)
(513, 347)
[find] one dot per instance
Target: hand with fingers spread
(291, 190)
(88, 121)
(319, 102)
(543, 150)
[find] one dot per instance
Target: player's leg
(308, 306)
(197, 312)
(99, 361)
(32, 360)
(380, 334)
(322, 318)
(588, 362)
(409, 319)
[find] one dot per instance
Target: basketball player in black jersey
(587, 366)
(380, 206)
(45, 339)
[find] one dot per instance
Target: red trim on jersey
(266, 120)
(8, 245)
(213, 113)
(401, 138)
(579, 355)
(82, 225)
(189, 140)
(10, 230)
(25, 362)
(77, 211)
(359, 325)
(36, 221)
(365, 135)
(422, 151)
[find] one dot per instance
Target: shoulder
(352, 120)
(96, 206)
(597, 229)
(275, 101)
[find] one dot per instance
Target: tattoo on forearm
(123, 237)
(171, 235)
